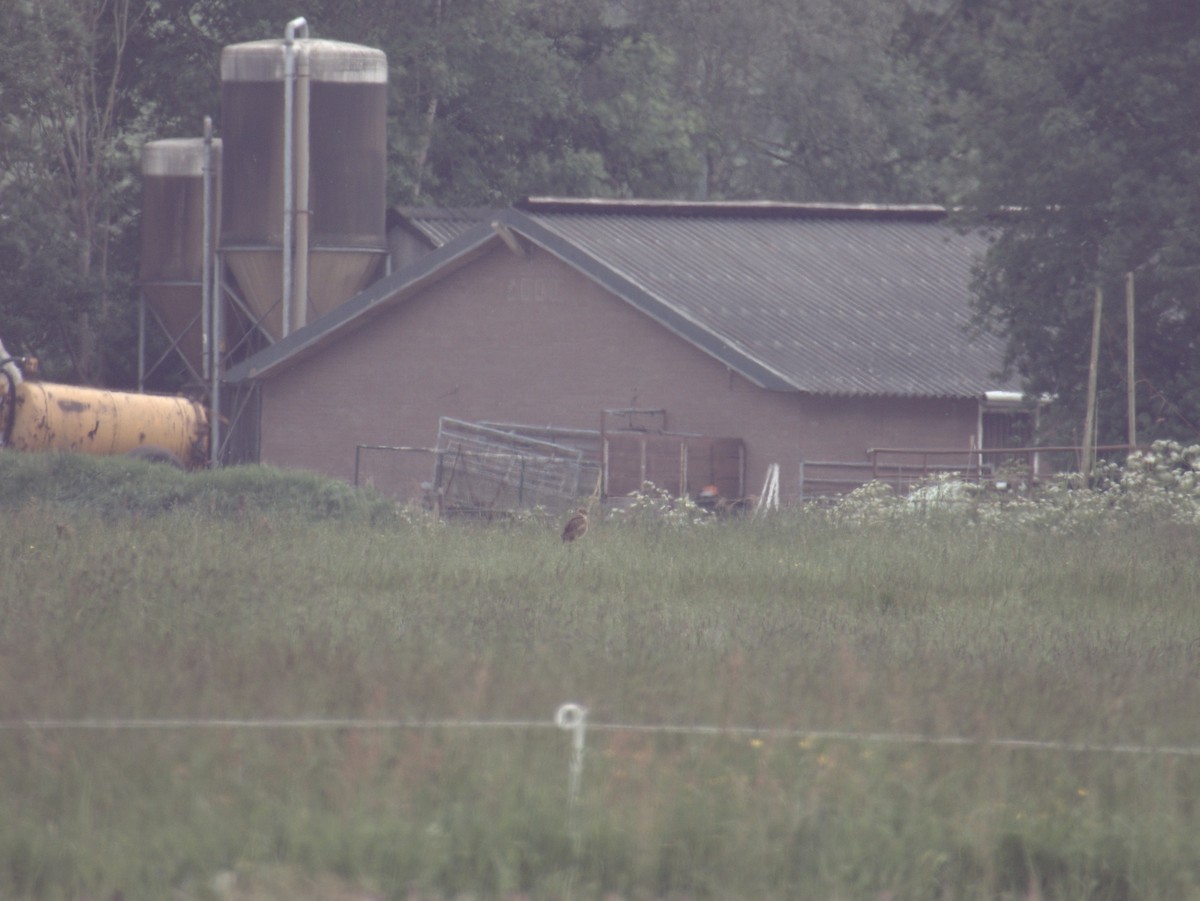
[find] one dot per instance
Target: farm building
(594, 343)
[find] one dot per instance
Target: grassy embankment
(128, 591)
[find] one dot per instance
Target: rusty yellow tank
(49, 417)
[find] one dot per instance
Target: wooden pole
(1089, 422)
(1130, 377)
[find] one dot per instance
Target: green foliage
(122, 486)
(72, 125)
(496, 100)
(808, 101)
(1085, 138)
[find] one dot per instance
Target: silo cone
(50, 417)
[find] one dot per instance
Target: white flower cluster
(654, 506)
(1162, 483)
(1164, 480)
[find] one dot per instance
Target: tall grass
(128, 591)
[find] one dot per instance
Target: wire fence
(572, 719)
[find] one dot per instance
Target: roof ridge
(732, 208)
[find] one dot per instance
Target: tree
(68, 178)
(495, 99)
(809, 100)
(1090, 169)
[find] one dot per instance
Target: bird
(576, 526)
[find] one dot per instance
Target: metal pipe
(141, 364)
(298, 24)
(1089, 423)
(211, 300)
(1130, 372)
(206, 335)
(214, 423)
(302, 214)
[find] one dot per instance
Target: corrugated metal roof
(442, 225)
(830, 299)
(824, 299)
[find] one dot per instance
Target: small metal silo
(329, 220)
(173, 245)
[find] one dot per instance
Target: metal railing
(905, 467)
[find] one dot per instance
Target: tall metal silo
(301, 246)
(173, 277)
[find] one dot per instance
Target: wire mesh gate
(486, 470)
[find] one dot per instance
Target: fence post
(573, 718)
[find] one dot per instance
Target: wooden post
(1089, 422)
(1130, 376)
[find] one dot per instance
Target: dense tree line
(1068, 126)
(1089, 162)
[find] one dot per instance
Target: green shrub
(118, 486)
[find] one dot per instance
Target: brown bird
(576, 526)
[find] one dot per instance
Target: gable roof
(828, 299)
(438, 225)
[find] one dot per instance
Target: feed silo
(173, 242)
(304, 125)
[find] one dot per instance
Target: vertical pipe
(979, 440)
(742, 470)
(214, 423)
(289, 186)
(289, 201)
(683, 469)
(206, 335)
(212, 298)
(300, 254)
(604, 466)
(1089, 422)
(1130, 376)
(141, 342)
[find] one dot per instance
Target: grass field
(130, 592)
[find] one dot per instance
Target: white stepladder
(769, 498)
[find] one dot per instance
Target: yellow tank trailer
(47, 417)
